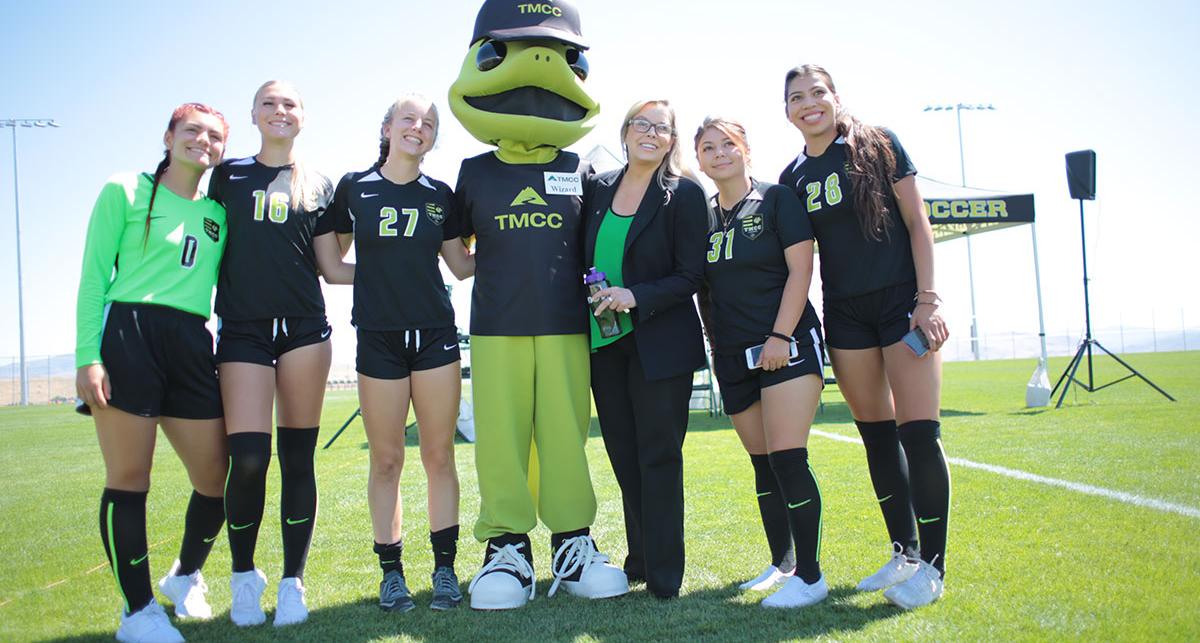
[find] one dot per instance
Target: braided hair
(176, 116)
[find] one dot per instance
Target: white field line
(1119, 496)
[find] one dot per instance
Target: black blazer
(663, 266)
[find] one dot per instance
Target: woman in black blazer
(645, 229)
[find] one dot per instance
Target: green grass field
(1027, 561)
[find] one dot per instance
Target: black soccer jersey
(269, 269)
(528, 254)
(745, 269)
(398, 232)
(851, 264)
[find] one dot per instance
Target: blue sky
(1120, 78)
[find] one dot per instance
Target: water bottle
(607, 320)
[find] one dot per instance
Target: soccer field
(1078, 523)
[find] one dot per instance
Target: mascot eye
(491, 54)
(577, 61)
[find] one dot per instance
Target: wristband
(787, 338)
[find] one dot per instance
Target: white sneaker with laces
(897, 570)
(923, 588)
(770, 577)
(797, 593)
(247, 589)
(148, 625)
(186, 593)
(505, 582)
(289, 606)
(583, 571)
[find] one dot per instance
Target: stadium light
(13, 123)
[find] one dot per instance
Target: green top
(176, 265)
(610, 257)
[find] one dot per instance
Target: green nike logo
(926, 521)
(296, 522)
(209, 540)
(387, 562)
(799, 504)
(885, 498)
(240, 527)
(137, 561)
(765, 493)
(528, 196)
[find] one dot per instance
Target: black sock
(123, 532)
(519, 539)
(930, 484)
(390, 556)
(773, 510)
(298, 498)
(445, 546)
(205, 515)
(245, 489)
(889, 477)
(803, 498)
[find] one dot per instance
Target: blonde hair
(672, 165)
(306, 187)
(385, 144)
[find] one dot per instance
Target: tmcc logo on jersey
(514, 221)
(435, 212)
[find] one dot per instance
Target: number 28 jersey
(398, 233)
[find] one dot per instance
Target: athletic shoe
(393, 593)
(501, 583)
(247, 590)
(770, 577)
(897, 570)
(583, 571)
(446, 592)
(186, 593)
(148, 625)
(797, 593)
(923, 588)
(289, 605)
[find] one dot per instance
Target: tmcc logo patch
(528, 196)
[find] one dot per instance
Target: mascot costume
(521, 89)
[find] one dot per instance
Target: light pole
(14, 123)
(962, 167)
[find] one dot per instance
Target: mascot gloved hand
(521, 89)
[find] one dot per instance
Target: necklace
(728, 216)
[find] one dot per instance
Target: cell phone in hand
(915, 339)
(754, 354)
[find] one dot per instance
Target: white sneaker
(148, 625)
(247, 589)
(797, 593)
(501, 583)
(770, 577)
(289, 606)
(583, 571)
(897, 570)
(186, 593)
(923, 588)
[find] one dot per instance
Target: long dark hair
(176, 116)
(871, 162)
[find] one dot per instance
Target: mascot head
(521, 87)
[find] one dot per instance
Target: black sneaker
(446, 593)
(393, 593)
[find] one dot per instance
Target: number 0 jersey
(174, 265)
(745, 269)
(270, 269)
(398, 233)
(851, 264)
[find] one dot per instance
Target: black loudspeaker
(1081, 174)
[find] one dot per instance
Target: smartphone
(915, 339)
(754, 355)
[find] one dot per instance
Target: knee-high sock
(803, 498)
(245, 488)
(889, 477)
(205, 515)
(298, 499)
(929, 480)
(773, 510)
(123, 532)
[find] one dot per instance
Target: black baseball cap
(539, 19)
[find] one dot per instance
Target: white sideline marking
(1119, 496)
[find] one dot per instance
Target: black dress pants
(643, 424)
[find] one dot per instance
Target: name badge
(569, 183)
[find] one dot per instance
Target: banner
(954, 217)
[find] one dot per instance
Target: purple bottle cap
(593, 276)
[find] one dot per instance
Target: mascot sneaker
(896, 570)
(506, 580)
(186, 593)
(770, 577)
(921, 589)
(797, 593)
(583, 571)
(148, 625)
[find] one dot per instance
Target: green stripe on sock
(820, 516)
(112, 550)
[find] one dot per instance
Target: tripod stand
(1085, 346)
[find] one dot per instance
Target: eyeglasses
(641, 126)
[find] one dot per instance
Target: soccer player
(400, 220)
(144, 359)
(859, 189)
(757, 272)
(273, 348)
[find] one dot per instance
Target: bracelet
(927, 303)
(787, 338)
(936, 298)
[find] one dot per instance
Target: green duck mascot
(521, 89)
